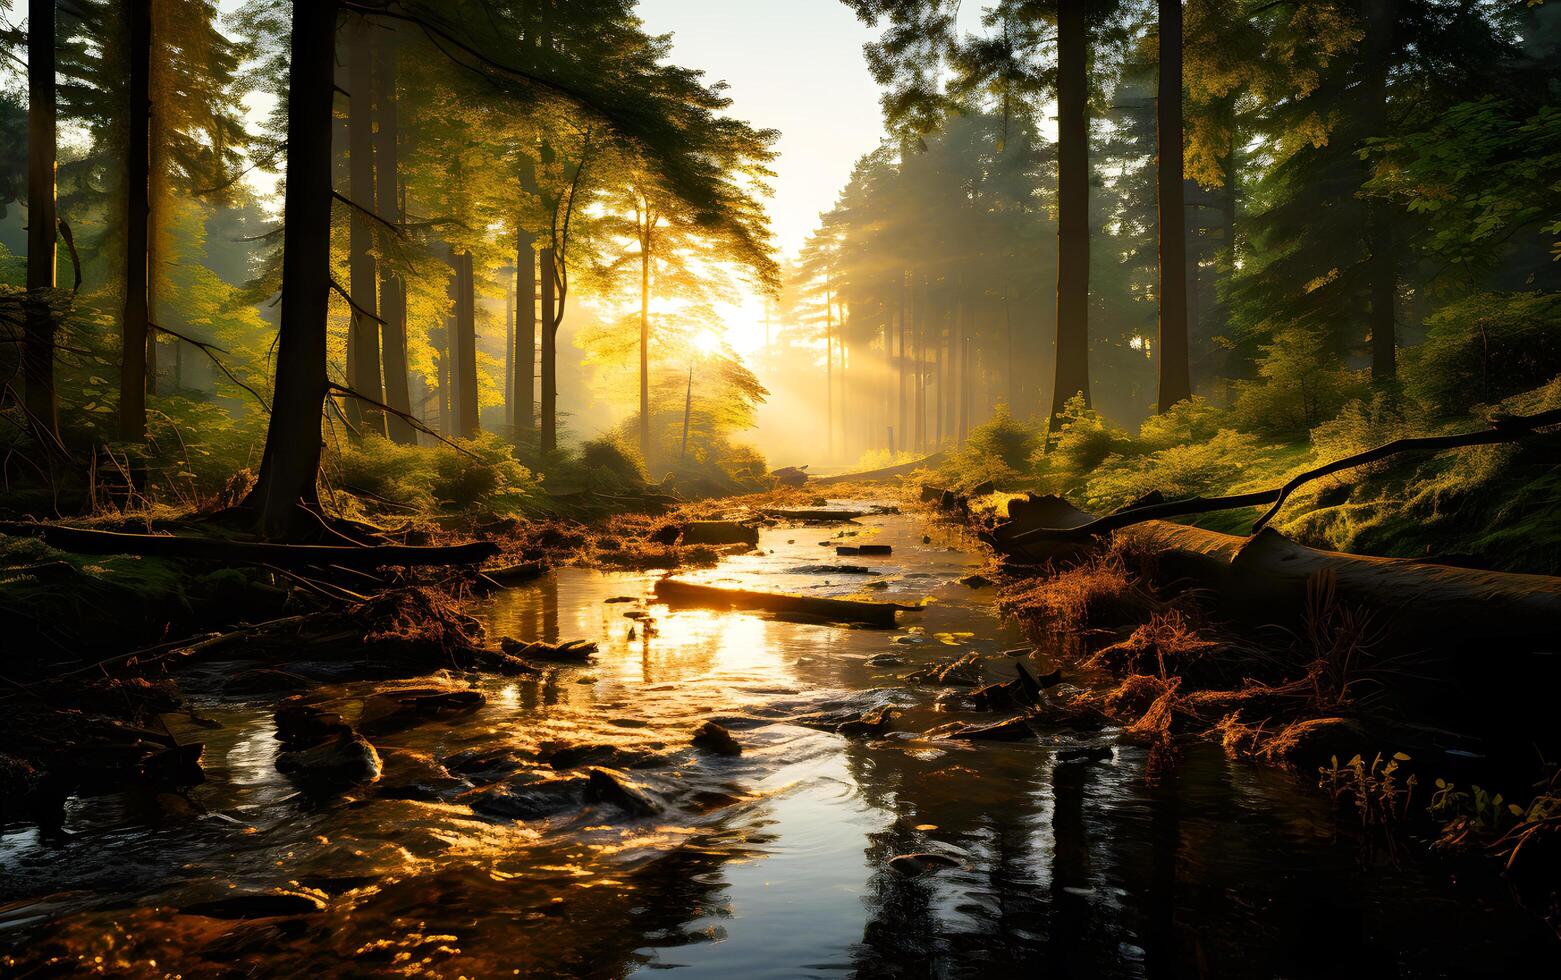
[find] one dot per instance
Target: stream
(475, 854)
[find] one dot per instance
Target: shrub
(1301, 384)
(1485, 348)
(1084, 439)
(998, 449)
(470, 473)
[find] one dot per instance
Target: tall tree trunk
(1382, 268)
(290, 465)
(645, 245)
(363, 278)
(550, 320)
(464, 354)
(1175, 374)
(959, 353)
(920, 351)
(38, 395)
(387, 196)
(525, 406)
(902, 415)
(136, 337)
(688, 410)
(829, 370)
(1072, 374)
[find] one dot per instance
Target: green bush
(1084, 439)
(1301, 383)
(999, 449)
(471, 473)
(1485, 348)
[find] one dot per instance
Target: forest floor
(1374, 725)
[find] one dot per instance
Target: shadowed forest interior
(418, 419)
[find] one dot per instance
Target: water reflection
(776, 863)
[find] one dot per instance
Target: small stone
(261, 906)
(717, 740)
(916, 865)
(975, 581)
(885, 660)
(615, 788)
(347, 759)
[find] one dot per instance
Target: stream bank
(566, 822)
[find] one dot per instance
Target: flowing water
(775, 863)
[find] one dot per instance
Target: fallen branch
(91, 542)
(1503, 429)
(676, 592)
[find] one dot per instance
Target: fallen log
(1269, 578)
(92, 542)
(819, 516)
(886, 473)
(719, 532)
(676, 592)
(1503, 429)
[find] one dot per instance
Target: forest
(475, 501)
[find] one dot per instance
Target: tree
(1175, 372)
(290, 464)
(138, 213)
(39, 398)
(364, 332)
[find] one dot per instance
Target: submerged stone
(916, 865)
(615, 788)
(713, 738)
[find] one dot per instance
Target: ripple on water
(782, 853)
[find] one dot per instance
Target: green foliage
(1084, 438)
(1481, 174)
(998, 449)
(1486, 347)
(616, 459)
(1379, 794)
(1301, 383)
(471, 474)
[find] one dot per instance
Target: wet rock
(178, 766)
(964, 670)
(485, 766)
(983, 488)
(410, 775)
(570, 651)
(298, 722)
(720, 532)
(953, 701)
(976, 581)
(930, 493)
(667, 534)
(1090, 753)
(532, 794)
(916, 865)
(345, 760)
(885, 660)
(264, 680)
(910, 639)
(394, 711)
(717, 740)
(870, 724)
(1012, 729)
(621, 598)
(615, 788)
(258, 906)
(830, 570)
(864, 549)
(566, 756)
(790, 476)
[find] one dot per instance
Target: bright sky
(795, 66)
